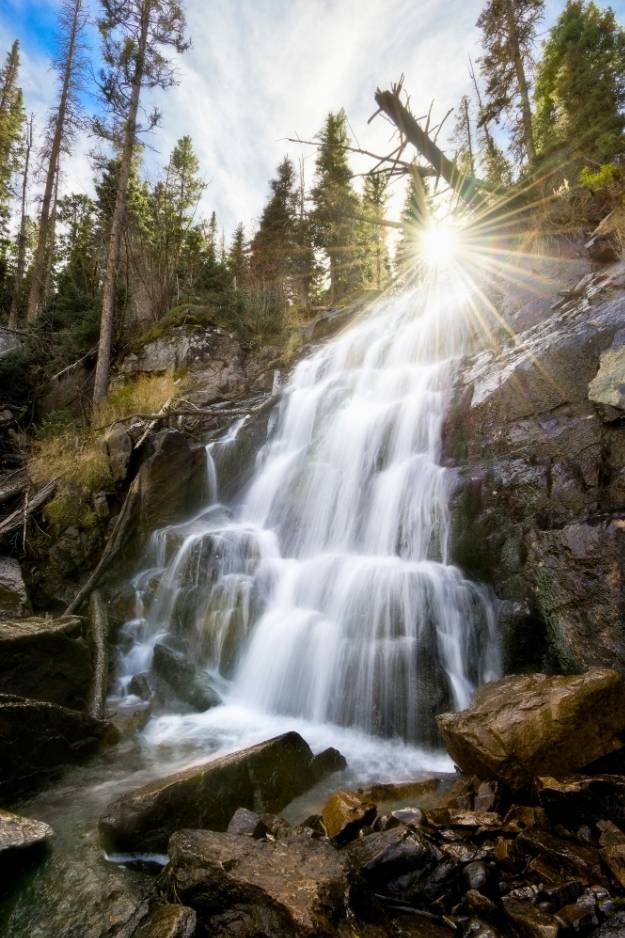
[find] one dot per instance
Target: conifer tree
(69, 65)
(11, 123)
(273, 246)
(21, 235)
(335, 209)
(135, 34)
(508, 34)
(496, 166)
(413, 218)
(580, 84)
(463, 138)
(238, 259)
(374, 248)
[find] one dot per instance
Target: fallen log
(18, 518)
(98, 636)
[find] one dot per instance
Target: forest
(312, 488)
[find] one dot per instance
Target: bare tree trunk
(115, 237)
(51, 239)
(526, 110)
(467, 120)
(37, 285)
(21, 238)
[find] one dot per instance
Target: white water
(325, 595)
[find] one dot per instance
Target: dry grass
(146, 394)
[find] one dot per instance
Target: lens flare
(440, 245)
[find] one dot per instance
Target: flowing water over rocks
(325, 591)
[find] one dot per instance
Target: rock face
(210, 353)
(175, 668)
(13, 596)
(539, 451)
(345, 813)
(36, 737)
(47, 659)
(530, 725)
(265, 777)
(250, 888)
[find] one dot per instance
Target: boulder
(21, 837)
(614, 927)
(245, 888)
(118, 446)
(246, 823)
(189, 685)
(583, 799)
(265, 777)
(46, 659)
(168, 921)
(36, 737)
(529, 725)
(13, 596)
(172, 481)
(328, 762)
(345, 813)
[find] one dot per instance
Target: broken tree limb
(18, 518)
(98, 637)
(468, 187)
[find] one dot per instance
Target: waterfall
(326, 590)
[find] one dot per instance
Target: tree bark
(526, 109)
(35, 297)
(21, 238)
(115, 237)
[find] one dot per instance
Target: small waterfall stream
(325, 592)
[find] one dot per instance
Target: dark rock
(526, 921)
(168, 921)
(36, 737)
(605, 246)
(181, 675)
(531, 725)
(584, 798)
(556, 859)
(614, 927)
(140, 686)
(172, 481)
(401, 791)
(345, 813)
(13, 597)
(246, 888)
(614, 859)
(266, 776)
(476, 876)
(46, 659)
(327, 762)
(244, 821)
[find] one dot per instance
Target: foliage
(580, 87)
(374, 256)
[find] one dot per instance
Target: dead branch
(17, 519)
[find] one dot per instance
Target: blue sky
(263, 70)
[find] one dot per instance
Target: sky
(260, 71)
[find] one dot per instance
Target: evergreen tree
(335, 211)
(20, 263)
(580, 85)
(273, 246)
(508, 34)
(374, 249)
(238, 259)
(463, 138)
(11, 122)
(135, 33)
(413, 219)
(496, 167)
(69, 65)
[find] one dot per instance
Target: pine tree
(238, 259)
(374, 248)
(335, 211)
(273, 246)
(496, 166)
(70, 66)
(11, 122)
(463, 138)
(580, 85)
(21, 235)
(508, 34)
(414, 216)
(134, 33)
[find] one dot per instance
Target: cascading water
(326, 591)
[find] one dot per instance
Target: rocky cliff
(536, 435)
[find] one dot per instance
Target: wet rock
(168, 921)
(614, 859)
(327, 762)
(526, 921)
(194, 688)
(247, 822)
(118, 445)
(345, 813)
(614, 927)
(140, 686)
(580, 915)
(401, 791)
(530, 725)
(13, 596)
(46, 659)
(266, 776)
(249, 888)
(584, 798)
(605, 246)
(555, 859)
(412, 817)
(36, 737)
(22, 842)
(171, 482)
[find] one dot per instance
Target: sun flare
(440, 244)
